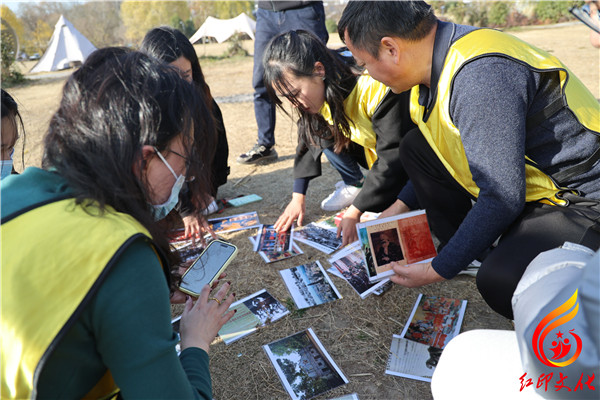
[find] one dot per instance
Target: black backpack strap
(571, 172)
(578, 169)
(544, 114)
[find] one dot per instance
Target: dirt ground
(357, 333)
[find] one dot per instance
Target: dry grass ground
(356, 332)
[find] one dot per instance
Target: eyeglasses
(187, 163)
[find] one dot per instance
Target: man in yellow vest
(508, 142)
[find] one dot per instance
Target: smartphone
(207, 267)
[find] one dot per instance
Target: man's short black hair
(366, 22)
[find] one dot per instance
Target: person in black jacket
(171, 46)
(342, 110)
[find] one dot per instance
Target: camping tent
(223, 29)
(67, 45)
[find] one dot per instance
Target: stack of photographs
(309, 285)
(304, 366)
(434, 321)
(253, 312)
(274, 246)
(350, 264)
(235, 222)
(320, 238)
(404, 239)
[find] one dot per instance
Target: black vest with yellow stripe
(45, 289)
(444, 137)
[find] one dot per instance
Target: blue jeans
(346, 165)
(268, 25)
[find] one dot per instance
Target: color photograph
(309, 285)
(350, 265)
(235, 222)
(304, 366)
(254, 311)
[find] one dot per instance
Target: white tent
(223, 29)
(67, 45)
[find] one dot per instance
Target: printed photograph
(271, 241)
(254, 311)
(386, 245)
(266, 307)
(277, 256)
(175, 324)
(350, 264)
(322, 239)
(416, 238)
(404, 239)
(435, 320)
(304, 366)
(412, 359)
(309, 285)
(235, 222)
(188, 249)
(365, 246)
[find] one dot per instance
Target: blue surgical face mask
(6, 166)
(162, 210)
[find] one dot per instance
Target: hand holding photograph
(404, 239)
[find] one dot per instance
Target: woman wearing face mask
(86, 280)
(339, 109)
(9, 133)
(171, 46)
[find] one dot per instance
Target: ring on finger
(215, 299)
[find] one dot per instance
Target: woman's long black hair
(117, 102)
(10, 109)
(297, 52)
(167, 45)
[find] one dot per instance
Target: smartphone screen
(210, 264)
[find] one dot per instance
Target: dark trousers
(269, 24)
(539, 228)
(347, 163)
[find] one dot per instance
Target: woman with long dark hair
(340, 109)
(9, 133)
(171, 46)
(86, 276)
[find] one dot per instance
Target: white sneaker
(211, 209)
(343, 196)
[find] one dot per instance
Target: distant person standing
(595, 16)
(273, 18)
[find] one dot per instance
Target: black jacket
(391, 121)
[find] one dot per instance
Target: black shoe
(258, 153)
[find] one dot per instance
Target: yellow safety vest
(443, 136)
(44, 290)
(360, 105)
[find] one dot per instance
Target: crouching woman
(86, 280)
